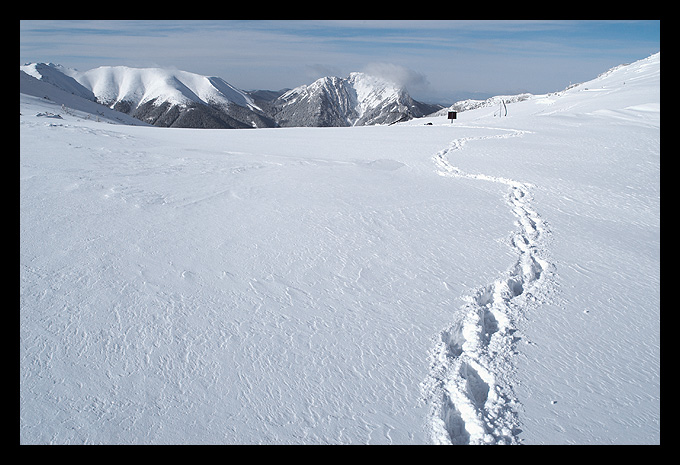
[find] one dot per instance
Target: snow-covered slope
(55, 100)
(174, 98)
(58, 76)
(114, 84)
(358, 100)
(490, 280)
(582, 300)
(162, 97)
(327, 102)
(472, 104)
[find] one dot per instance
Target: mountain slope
(472, 104)
(112, 84)
(590, 372)
(74, 102)
(59, 77)
(358, 100)
(174, 98)
(162, 97)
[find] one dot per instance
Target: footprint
(454, 340)
(461, 376)
(515, 286)
(454, 423)
(477, 389)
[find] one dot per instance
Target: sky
(438, 61)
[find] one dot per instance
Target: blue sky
(437, 60)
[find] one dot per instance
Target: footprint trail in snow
(469, 387)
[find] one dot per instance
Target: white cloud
(401, 75)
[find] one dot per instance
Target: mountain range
(174, 98)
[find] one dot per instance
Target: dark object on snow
(47, 114)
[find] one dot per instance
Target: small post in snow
(501, 107)
(452, 116)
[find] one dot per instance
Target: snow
(58, 76)
(42, 97)
(361, 98)
(496, 102)
(140, 85)
(372, 90)
(491, 280)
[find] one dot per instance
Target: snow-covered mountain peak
(59, 76)
(373, 91)
(136, 86)
(112, 84)
(323, 84)
(158, 96)
(162, 96)
(38, 70)
(359, 99)
(367, 84)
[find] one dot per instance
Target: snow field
(258, 295)
(588, 366)
(469, 403)
(495, 280)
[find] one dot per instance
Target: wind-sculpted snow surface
(245, 287)
(491, 281)
(471, 401)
